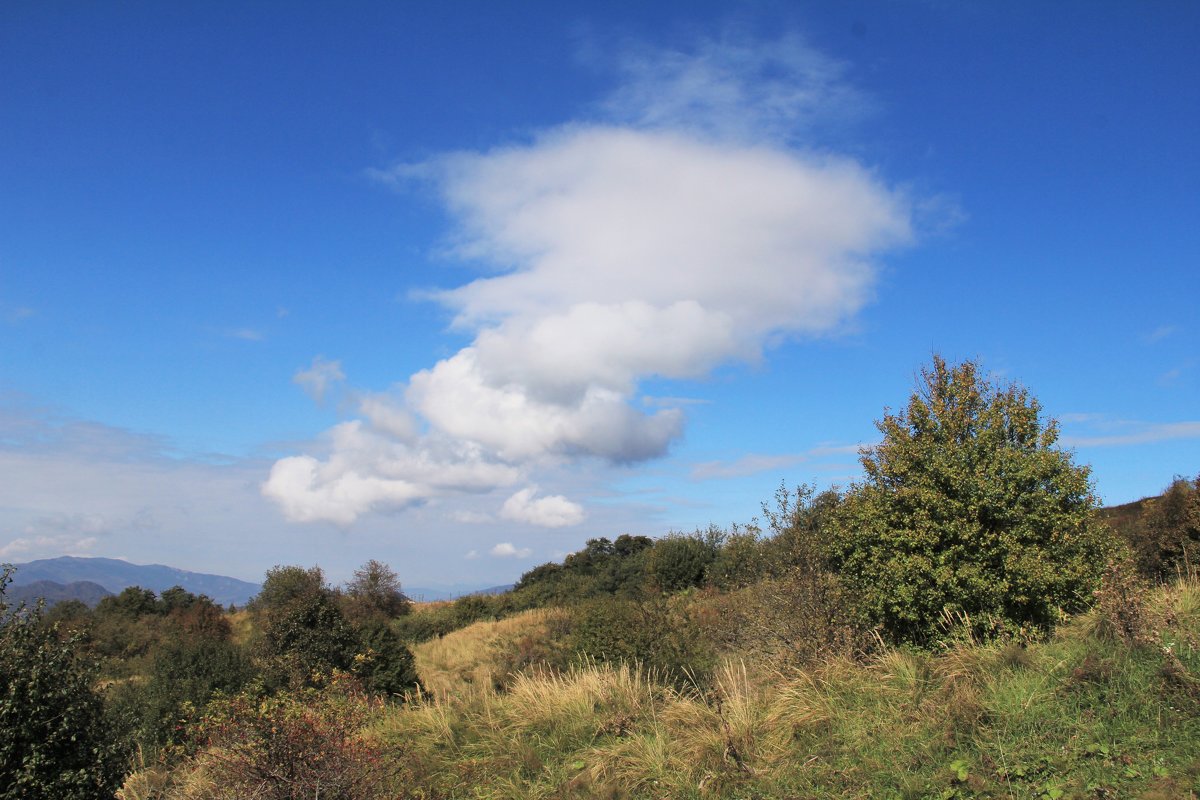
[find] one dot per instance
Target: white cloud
(320, 377)
(750, 464)
(468, 517)
(754, 463)
(1135, 433)
(366, 471)
(34, 546)
(1160, 333)
(554, 511)
(15, 315)
(246, 334)
(508, 550)
(687, 231)
(735, 87)
(509, 420)
(387, 416)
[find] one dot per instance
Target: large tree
(967, 504)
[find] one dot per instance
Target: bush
(680, 562)
(655, 633)
(185, 675)
(741, 561)
(294, 745)
(53, 740)
(385, 664)
(967, 505)
(305, 635)
(1169, 535)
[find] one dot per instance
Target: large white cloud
(668, 240)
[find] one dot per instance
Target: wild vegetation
(963, 622)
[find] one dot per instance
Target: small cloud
(1081, 417)
(1137, 433)
(281, 312)
(508, 550)
(838, 449)
(938, 215)
(672, 402)
(1160, 333)
(15, 316)
(48, 545)
(1170, 376)
(554, 511)
(246, 334)
(320, 377)
(471, 555)
(471, 517)
(751, 464)
(754, 463)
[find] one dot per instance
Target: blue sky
(458, 286)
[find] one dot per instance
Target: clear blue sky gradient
(191, 211)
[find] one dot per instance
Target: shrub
(385, 664)
(1169, 536)
(654, 633)
(967, 505)
(185, 675)
(741, 561)
(679, 562)
(305, 634)
(53, 740)
(305, 744)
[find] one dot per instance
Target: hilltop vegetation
(964, 622)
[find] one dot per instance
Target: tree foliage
(968, 505)
(53, 740)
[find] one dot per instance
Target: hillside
(115, 575)
(86, 592)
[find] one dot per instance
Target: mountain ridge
(114, 575)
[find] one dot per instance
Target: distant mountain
(86, 592)
(115, 575)
(421, 594)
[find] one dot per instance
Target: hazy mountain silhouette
(114, 575)
(86, 592)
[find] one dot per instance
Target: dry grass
(480, 655)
